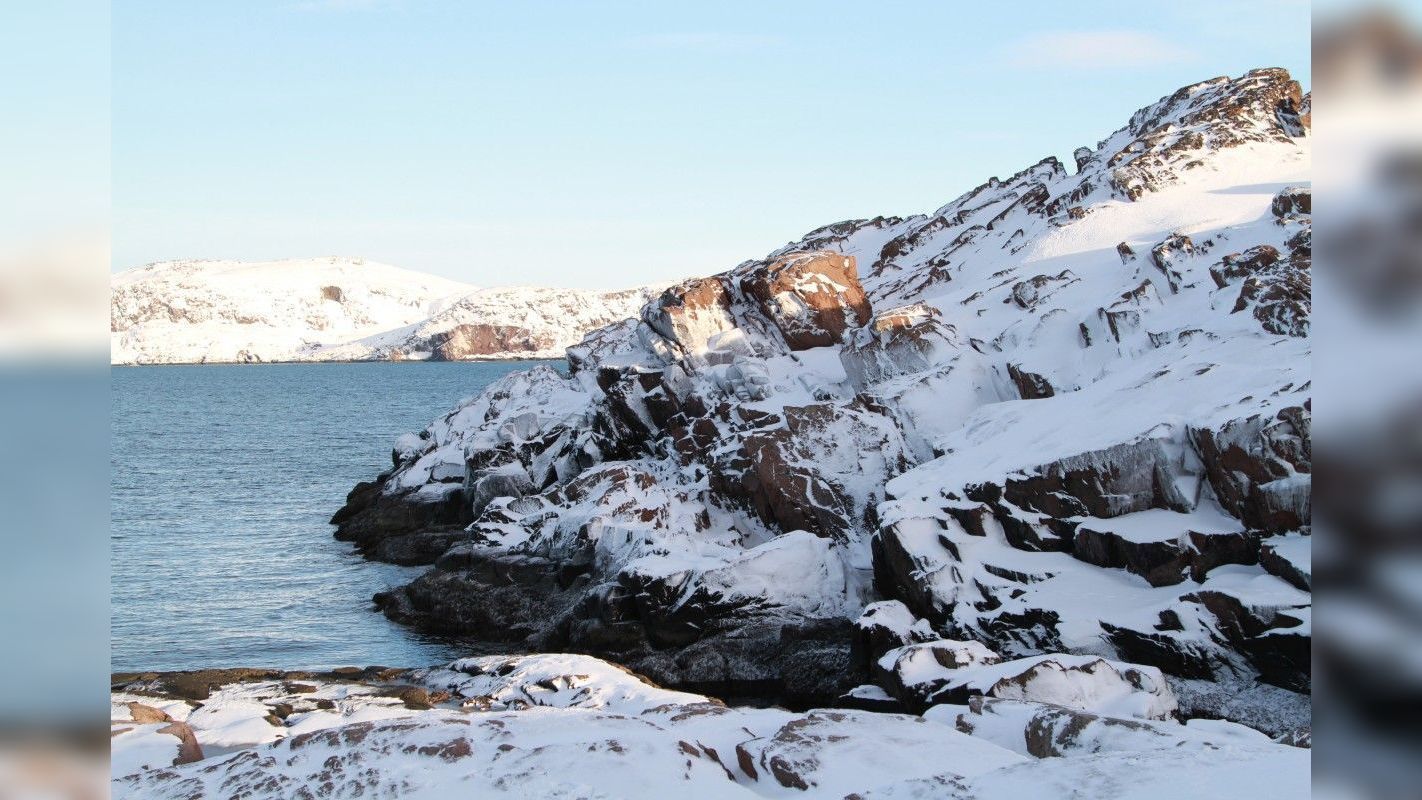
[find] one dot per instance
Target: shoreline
(481, 360)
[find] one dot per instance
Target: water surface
(224, 478)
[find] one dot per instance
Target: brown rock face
(188, 748)
(333, 293)
(1261, 468)
(471, 341)
(690, 311)
(1293, 200)
(813, 298)
(145, 714)
(778, 470)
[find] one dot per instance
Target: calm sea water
(224, 478)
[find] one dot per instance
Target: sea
(224, 478)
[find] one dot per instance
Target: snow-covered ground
(573, 726)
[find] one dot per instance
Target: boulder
(1293, 200)
(508, 480)
(1238, 266)
(812, 298)
(1027, 294)
(884, 626)
(1044, 730)
(923, 675)
(189, 750)
(145, 714)
(915, 673)
(903, 340)
(1168, 255)
(691, 312)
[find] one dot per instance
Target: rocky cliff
(340, 309)
(1067, 412)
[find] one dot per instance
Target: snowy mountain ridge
(341, 309)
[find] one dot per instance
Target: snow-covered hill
(1069, 411)
(340, 309)
(526, 322)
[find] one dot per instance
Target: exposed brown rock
(143, 714)
(1260, 468)
(188, 748)
(473, 340)
(1166, 561)
(813, 298)
(1293, 200)
(687, 312)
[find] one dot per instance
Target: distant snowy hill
(524, 321)
(340, 309)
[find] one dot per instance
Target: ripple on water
(224, 478)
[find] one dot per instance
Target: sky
(609, 144)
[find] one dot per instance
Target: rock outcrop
(996, 416)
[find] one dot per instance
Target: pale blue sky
(604, 144)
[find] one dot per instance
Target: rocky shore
(1067, 412)
(1012, 494)
(573, 726)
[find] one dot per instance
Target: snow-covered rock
(1065, 413)
(560, 725)
(341, 309)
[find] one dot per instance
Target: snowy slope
(341, 309)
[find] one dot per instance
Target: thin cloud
(705, 41)
(1095, 50)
